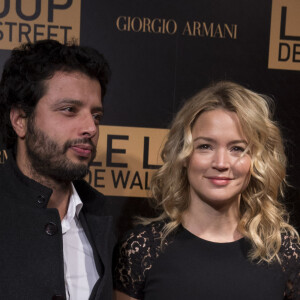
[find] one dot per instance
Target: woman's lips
(220, 181)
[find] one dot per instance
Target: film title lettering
(24, 32)
(36, 9)
(130, 179)
(126, 160)
(111, 150)
(291, 50)
(28, 21)
(95, 178)
(284, 51)
(146, 164)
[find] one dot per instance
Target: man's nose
(88, 126)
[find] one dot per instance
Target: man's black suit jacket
(31, 246)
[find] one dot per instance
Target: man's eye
(97, 118)
(68, 109)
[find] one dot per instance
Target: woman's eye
(237, 149)
(204, 147)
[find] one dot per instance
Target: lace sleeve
(135, 258)
(290, 259)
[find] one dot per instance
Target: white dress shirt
(79, 264)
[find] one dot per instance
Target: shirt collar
(76, 201)
(74, 208)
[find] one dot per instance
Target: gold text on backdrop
(137, 24)
(170, 27)
(211, 30)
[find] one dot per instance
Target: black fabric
(31, 251)
(188, 267)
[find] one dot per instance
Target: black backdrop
(153, 73)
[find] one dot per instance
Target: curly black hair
(24, 73)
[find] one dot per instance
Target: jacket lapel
(98, 226)
(101, 235)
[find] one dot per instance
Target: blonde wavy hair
(263, 218)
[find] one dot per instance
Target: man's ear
(18, 121)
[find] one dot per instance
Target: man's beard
(49, 159)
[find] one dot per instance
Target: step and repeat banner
(161, 53)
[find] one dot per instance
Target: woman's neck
(216, 223)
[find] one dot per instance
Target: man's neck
(60, 199)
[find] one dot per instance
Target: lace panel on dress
(137, 252)
(290, 262)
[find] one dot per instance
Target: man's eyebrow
(98, 108)
(77, 103)
(69, 101)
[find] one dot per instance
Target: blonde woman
(223, 232)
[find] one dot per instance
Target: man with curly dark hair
(56, 233)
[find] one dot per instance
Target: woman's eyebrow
(208, 139)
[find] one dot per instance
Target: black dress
(188, 267)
